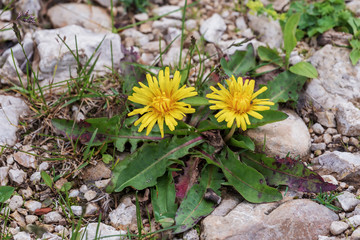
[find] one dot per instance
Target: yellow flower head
(161, 101)
(238, 102)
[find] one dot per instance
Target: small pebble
(356, 234)
(83, 188)
(338, 227)
(90, 195)
(16, 202)
(318, 146)
(327, 138)
(345, 139)
(354, 142)
(331, 131)
(318, 129)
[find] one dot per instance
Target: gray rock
(348, 201)
(354, 221)
(16, 202)
(52, 217)
(213, 28)
(17, 176)
(43, 166)
(26, 193)
(6, 15)
(4, 176)
(327, 138)
(48, 43)
(154, 46)
(141, 16)
(343, 166)
(6, 35)
(296, 219)
(102, 183)
(354, 142)
(330, 179)
(190, 24)
(77, 210)
(22, 236)
(338, 78)
(171, 58)
(317, 146)
(12, 109)
(326, 118)
(191, 235)
(19, 218)
(104, 3)
(124, 214)
(33, 6)
(338, 227)
(165, 23)
(51, 236)
(173, 35)
(318, 129)
(268, 29)
(91, 209)
(74, 193)
(227, 204)
(35, 177)
(88, 16)
(288, 136)
(167, 9)
(354, 6)
(348, 119)
(140, 38)
(26, 160)
(90, 195)
(32, 205)
(356, 234)
(30, 219)
(331, 131)
(93, 231)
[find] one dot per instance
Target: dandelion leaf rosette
(142, 168)
(287, 171)
(246, 180)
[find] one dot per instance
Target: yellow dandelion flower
(161, 100)
(238, 102)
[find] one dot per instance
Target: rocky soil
(323, 131)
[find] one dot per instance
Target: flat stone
(154, 46)
(91, 209)
(141, 16)
(295, 219)
(124, 214)
(48, 43)
(102, 183)
(30, 219)
(318, 129)
(337, 227)
(326, 118)
(90, 195)
(227, 204)
(22, 236)
(35, 177)
(344, 166)
(17, 176)
(97, 172)
(20, 220)
(12, 109)
(288, 136)
(165, 23)
(348, 201)
(77, 210)
(318, 146)
(15, 202)
(95, 231)
(190, 24)
(4, 171)
(26, 160)
(167, 9)
(354, 221)
(88, 16)
(338, 80)
(32, 205)
(52, 217)
(268, 29)
(330, 179)
(213, 28)
(348, 119)
(139, 38)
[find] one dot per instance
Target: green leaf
(289, 33)
(355, 56)
(270, 55)
(284, 87)
(246, 180)
(47, 179)
(142, 168)
(5, 193)
(107, 158)
(194, 206)
(242, 141)
(240, 62)
(196, 101)
(163, 200)
(269, 116)
(287, 171)
(304, 69)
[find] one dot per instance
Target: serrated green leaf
(240, 62)
(284, 87)
(246, 180)
(142, 168)
(304, 69)
(5, 193)
(194, 206)
(163, 200)
(270, 55)
(289, 33)
(47, 179)
(287, 171)
(242, 141)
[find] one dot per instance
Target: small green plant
(139, 5)
(327, 199)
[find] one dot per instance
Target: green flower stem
(231, 133)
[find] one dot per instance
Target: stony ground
(323, 130)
